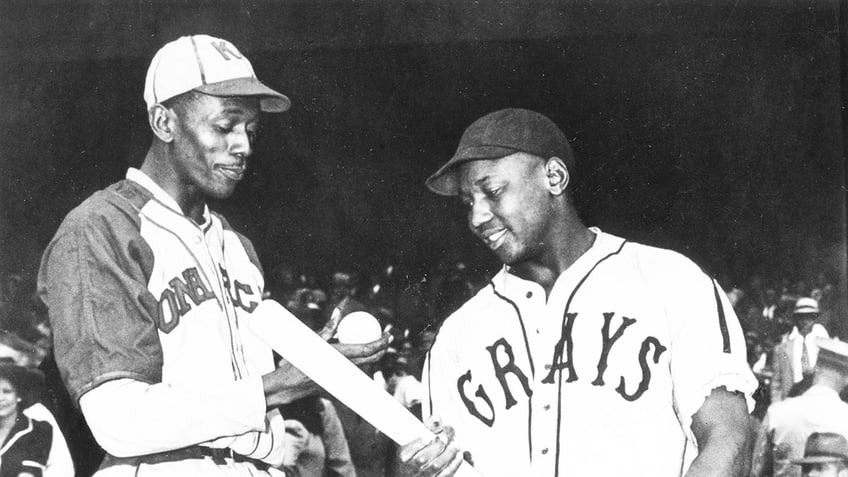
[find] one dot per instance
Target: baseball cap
(806, 305)
(500, 134)
(209, 65)
(824, 447)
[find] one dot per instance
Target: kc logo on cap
(208, 65)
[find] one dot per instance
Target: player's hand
(437, 457)
(287, 383)
(297, 438)
(359, 354)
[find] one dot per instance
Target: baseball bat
(314, 357)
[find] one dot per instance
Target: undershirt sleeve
(130, 418)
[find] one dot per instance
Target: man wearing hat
(587, 354)
(150, 292)
(825, 455)
(787, 423)
(795, 356)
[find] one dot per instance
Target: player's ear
(557, 175)
(162, 121)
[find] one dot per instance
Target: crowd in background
(329, 439)
(766, 311)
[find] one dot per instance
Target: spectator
(825, 455)
(343, 287)
(769, 304)
(787, 424)
(282, 283)
(315, 442)
(401, 384)
(796, 355)
(30, 447)
(371, 451)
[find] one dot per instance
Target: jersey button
(546, 407)
(544, 451)
(529, 294)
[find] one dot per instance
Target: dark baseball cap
(500, 134)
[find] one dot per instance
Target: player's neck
(571, 243)
(191, 202)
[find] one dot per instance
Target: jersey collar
(505, 281)
(142, 179)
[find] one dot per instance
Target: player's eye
(252, 134)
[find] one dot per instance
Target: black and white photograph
(424, 238)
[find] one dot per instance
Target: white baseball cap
(209, 65)
(806, 305)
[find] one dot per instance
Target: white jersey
(602, 378)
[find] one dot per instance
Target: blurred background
(714, 128)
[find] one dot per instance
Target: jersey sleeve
(440, 398)
(708, 346)
(92, 279)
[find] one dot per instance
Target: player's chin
(508, 256)
(221, 190)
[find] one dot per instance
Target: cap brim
(818, 459)
(445, 182)
(270, 101)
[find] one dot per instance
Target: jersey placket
(544, 319)
(209, 245)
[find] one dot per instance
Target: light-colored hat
(209, 65)
(806, 305)
(833, 354)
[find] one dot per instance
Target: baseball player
(150, 292)
(587, 354)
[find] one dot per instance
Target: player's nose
(241, 142)
(479, 213)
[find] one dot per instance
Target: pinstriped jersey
(602, 377)
(149, 295)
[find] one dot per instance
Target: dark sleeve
(93, 278)
(337, 455)
(34, 449)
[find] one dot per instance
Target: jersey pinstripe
(600, 378)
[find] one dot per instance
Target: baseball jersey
(601, 378)
(138, 291)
